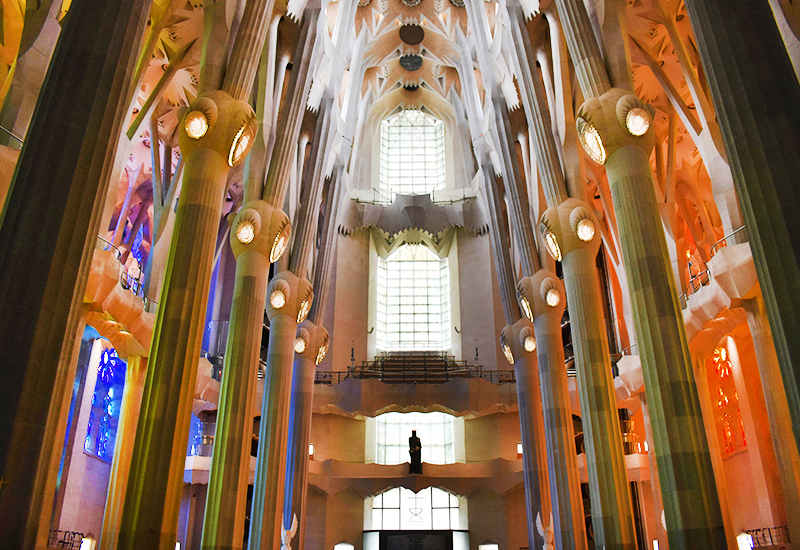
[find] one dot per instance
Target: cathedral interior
(400, 274)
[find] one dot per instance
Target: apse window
(435, 431)
(101, 432)
(413, 302)
(402, 509)
(412, 154)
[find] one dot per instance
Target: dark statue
(415, 450)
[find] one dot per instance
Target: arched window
(435, 430)
(413, 305)
(412, 154)
(402, 509)
(101, 432)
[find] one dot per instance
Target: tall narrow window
(413, 305)
(412, 154)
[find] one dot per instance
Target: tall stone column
(615, 129)
(519, 344)
(50, 220)
(126, 434)
(259, 235)
(310, 348)
(216, 132)
(542, 300)
(757, 99)
(569, 232)
(289, 301)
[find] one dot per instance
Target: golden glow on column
(242, 143)
(196, 124)
(591, 141)
(508, 353)
(277, 299)
(279, 246)
(305, 307)
(553, 297)
(585, 230)
(529, 344)
(526, 307)
(299, 345)
(552, 243)
(245, 232)
(638, 121)
(321, 352)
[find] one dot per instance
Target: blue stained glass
(137, 243)
(101, 433)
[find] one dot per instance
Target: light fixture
(508, 353)
(277, 299)
(323, 349)
(299, 345)
(196, 124)
(638, 121)
(279, 246)
(585, 230)
(245, 232)
(552, 243)
(591, 141)
(744, 541)
(526, 307)
(553, 297)
(310, 449)
(241, 143)
(305, 307)
(529, 344)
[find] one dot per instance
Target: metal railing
(725, 238)
(64, 539)
(415, 376)
(126, 280)
(770, 536)
(13, 136)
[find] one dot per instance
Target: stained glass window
(413, 302)
(101, 434)
(402, 509)
(434, 429)
(412, 154)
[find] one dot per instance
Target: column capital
(614, 120)
(569, 226)
(518, 340)
(217, 121)
(541, 294)
(289, 295)
(261, 227)
(312, 342)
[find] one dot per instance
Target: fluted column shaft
(268, 490)
(692, 509)
(299, 439)
(51, 218)
(291, 116)
(519, 211)
(123, 450)
(583, 48)
(757, 99)
(152, 502)
(537, 112)
(226, 502)
(502, 260)
(247, 48)
(534, 464)
(562, 464)
(327, 250)
(305, 230)
(777, 406)
(612, 515)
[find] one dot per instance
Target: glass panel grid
(412, 154)
(413, 302)
(435, 431)
(431, 508)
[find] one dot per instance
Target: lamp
(551, 242)
(245, 232)
(281, 240)
(196, 124)
(553, 297)
(585, 230)
(299, 345)
(637, 121)
(591, 141)
(242, 143)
